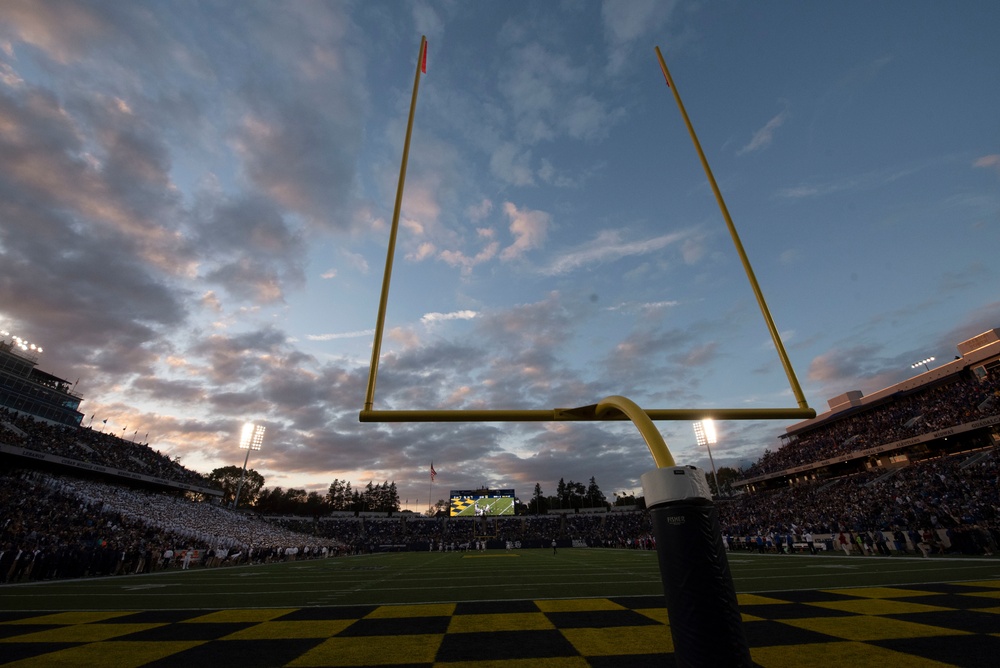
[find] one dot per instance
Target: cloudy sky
(195, 201)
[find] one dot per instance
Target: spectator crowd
(67, 526)
(960, 401)
(84, 444)
(956, 499)
(55, 526)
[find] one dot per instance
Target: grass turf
(437, 578)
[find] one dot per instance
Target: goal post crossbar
(581, 414)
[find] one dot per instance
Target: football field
(528, 607)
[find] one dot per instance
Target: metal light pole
(922, 363)
(704, 431)
(251, 439)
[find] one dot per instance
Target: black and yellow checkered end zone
(918, 626)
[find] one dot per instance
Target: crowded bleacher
(957, 498)
(962, 400)
(91, 446)
(57, 526)
(925, 498)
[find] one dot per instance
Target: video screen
(481, 502)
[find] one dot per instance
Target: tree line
(569, 495)
(342, 496)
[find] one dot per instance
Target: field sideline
(416, 577)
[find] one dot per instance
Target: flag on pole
(433, 472)
(423, 59)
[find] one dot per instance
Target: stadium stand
(57, 526)
(954, 499)
(949, 409)
(910, 469)
(950, 406)
(25, 388)
(82, 449)
(913, 469)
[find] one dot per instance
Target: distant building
(26, 389)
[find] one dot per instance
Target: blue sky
(196, 201)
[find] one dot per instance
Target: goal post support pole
(705, 622)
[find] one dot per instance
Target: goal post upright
(771, 328)
(393, 231)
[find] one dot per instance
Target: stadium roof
(979, 352)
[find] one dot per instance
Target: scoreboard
(481, 502)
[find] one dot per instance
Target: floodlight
(20, 343)
(704, 431)
(252, 437)
(922, 363)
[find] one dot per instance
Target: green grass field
(411, 577)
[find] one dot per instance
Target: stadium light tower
(21, 344)
(251, 439)
(704, 431)
(922, 363)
